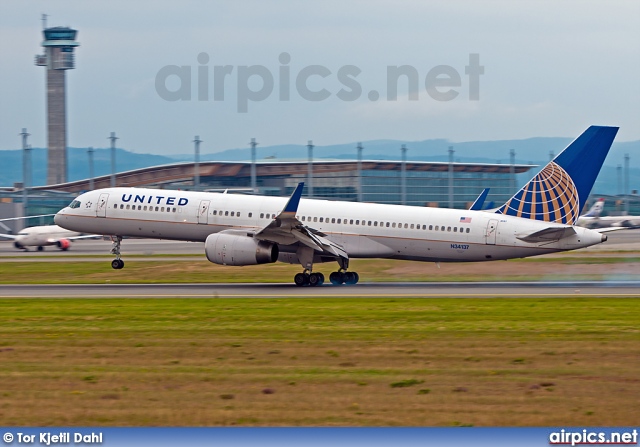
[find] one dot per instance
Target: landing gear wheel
(337, 278)
(316, 279)
(350, 278)
(40, 248)
(301, 279)
(117, 264)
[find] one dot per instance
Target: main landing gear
(342, 276)
(117, 263)
(308, 279)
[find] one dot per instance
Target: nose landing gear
(117, 263)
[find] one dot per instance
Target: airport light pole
(403, 176)
(451, 152)
(26, 170)
(512, 168)
(626, 184)
(254, 182)
(196, 167)
(310, 168)
(359, 147)
(90, 153)
(113, 139)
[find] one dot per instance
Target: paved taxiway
(629, 289)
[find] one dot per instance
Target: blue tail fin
(560, 190)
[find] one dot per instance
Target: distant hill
(528, 151)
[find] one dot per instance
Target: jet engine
(64, 244)
(234, 249)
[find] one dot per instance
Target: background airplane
(593, 219)
(44, 235)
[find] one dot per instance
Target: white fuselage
(364, 230)
(43, 235)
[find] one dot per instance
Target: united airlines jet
(248, 230)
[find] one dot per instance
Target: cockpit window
(75, 204)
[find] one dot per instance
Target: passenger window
(315, 219)
(321, 219)
(115, 206)
(162, 209)
(351, 222)
(157, 208)
(437, 228)
(369, 223)
(412, 226)
(233, 213)
(333, 220)
(261, 215)
(145, 208)
(406, 225)
(387, 225)
(455, 229)
(468, 229)
(238, 214)
(121, 206)
(215, 212)
(430, 227)
(424, 227)
(393, 225)
(139, 207)
(174, 210)
(448, 228)
(339, 220)
(250, 214)
(127, 206)
(357, 221)
(303, 218)
(226, 213)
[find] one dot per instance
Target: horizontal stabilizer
(549, 234)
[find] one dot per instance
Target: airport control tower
(59, 43)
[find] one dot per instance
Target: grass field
(320, 362)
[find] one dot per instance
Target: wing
(73, 238)
(285, 229)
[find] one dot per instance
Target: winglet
(477, 204)
(294, 200)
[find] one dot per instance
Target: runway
(630, 289)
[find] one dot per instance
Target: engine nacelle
(234, 249)
(64, 244)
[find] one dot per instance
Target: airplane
(44, 235)
(243, 230)
(593, 219)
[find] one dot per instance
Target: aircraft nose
(57, 219)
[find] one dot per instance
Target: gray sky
(551, 68)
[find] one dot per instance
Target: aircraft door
(203, 212)
(101, 207)
(492, 230)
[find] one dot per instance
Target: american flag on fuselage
(465, 220)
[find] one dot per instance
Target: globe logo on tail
(551, 196)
